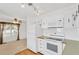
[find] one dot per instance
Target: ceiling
(15, 10)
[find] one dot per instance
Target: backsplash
(53, 31)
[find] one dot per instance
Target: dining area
(8, 31)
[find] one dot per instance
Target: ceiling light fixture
(36, 11)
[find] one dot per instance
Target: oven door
(53, 47)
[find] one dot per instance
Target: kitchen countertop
(53, 38)
(71, 48)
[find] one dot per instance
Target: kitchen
(45, 28)
(51, 33)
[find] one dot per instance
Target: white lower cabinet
(40, 45)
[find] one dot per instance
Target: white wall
(23, 30)
(70, 32)
(63, 13)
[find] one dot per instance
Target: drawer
(40, 45)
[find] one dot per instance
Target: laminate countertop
(52, 38)
(71, 48)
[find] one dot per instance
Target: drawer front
(40, 45)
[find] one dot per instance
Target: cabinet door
(41, 45)
(38, 45)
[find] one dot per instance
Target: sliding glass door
(10, 33)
